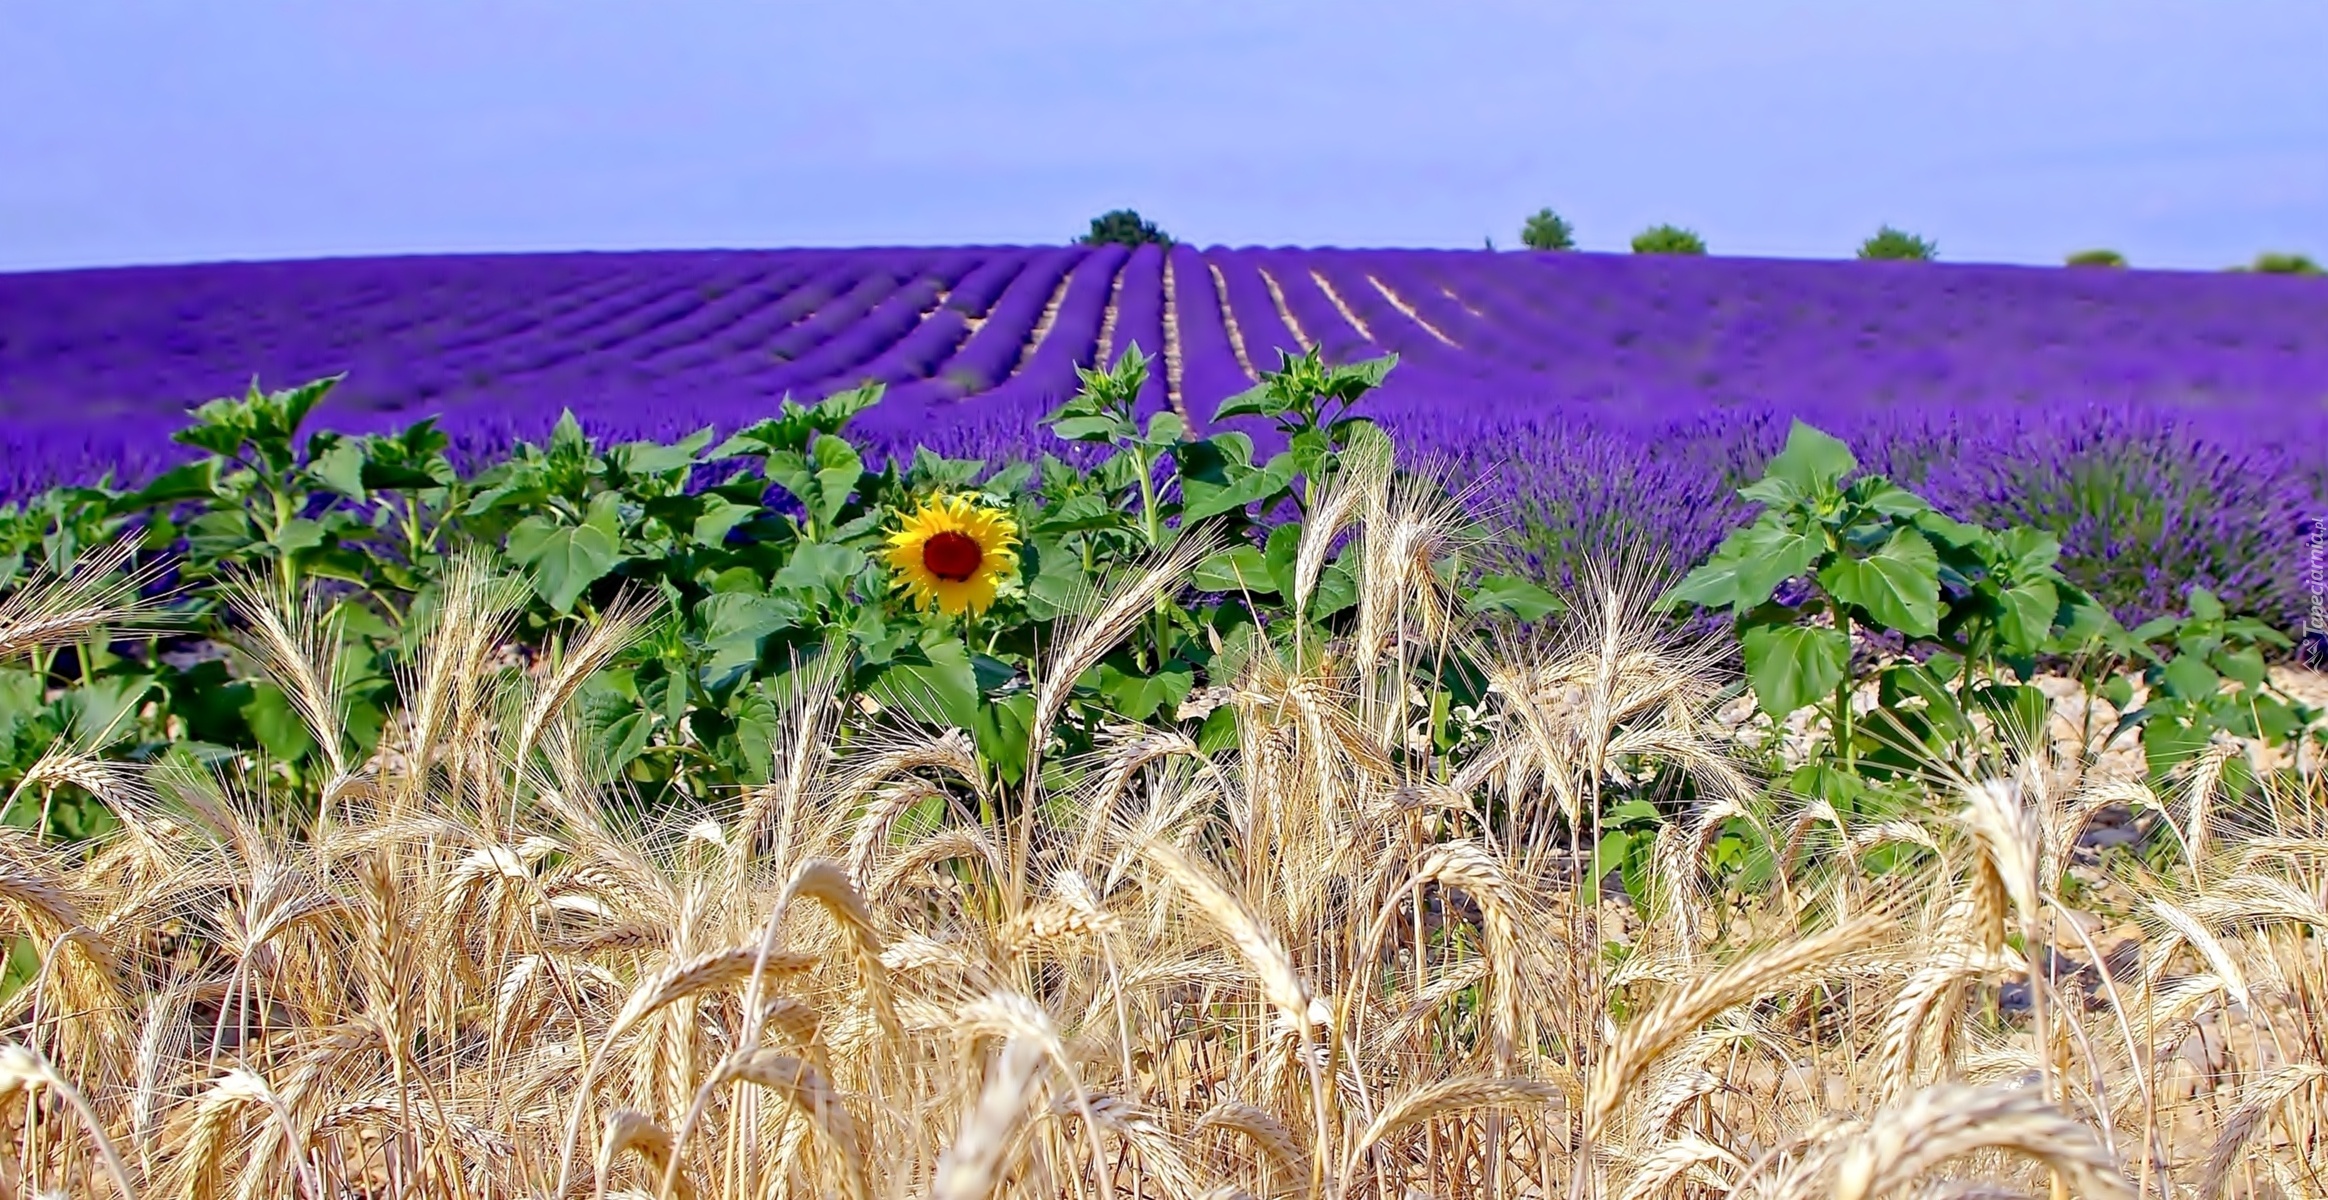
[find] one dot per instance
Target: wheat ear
(1943, 1122)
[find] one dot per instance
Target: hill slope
(1614, 396)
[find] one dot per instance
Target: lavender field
(2172, 427)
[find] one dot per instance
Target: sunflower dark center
(952, 556)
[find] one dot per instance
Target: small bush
(1898, 245)
(1668, 239)
(1124, 227)
(2274, 262)
(2097, 258)
(1548, 230)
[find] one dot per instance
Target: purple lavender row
(841, 361)
(1139, 320)
(984, 285)
(1251, 308)
(990, 354)
(1336, 338)
(1046, 374)
(919, 354)
(1209, 372)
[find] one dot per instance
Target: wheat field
(1322, 962)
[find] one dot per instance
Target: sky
(2183, 133)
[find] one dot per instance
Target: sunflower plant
(952, 553)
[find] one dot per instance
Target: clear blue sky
(2182, 132)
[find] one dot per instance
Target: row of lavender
(2174, 427)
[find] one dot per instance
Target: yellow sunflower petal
(950, 520)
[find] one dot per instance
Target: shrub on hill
(1668, 239)
(1124, 227)
(2275, 262)
(1898, 245)
(2096, 258)
(1548, 230)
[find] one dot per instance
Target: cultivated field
(1547, 767)
(2166, 422)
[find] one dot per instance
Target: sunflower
(951, 552)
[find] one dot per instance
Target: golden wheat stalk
(1672, 1161)
(628, 1130)
(94, 594)
(1445, 1098)
(2259, 1101)
(1947, 1121)
(22, 1068)
(1677, 1014)
(969, 1168)
(1268, 1134)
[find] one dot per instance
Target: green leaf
(1256, 401)
(656, 458)
(1309, 449)
(736, 625)
(2205, 606)
(1091, 429)
(1282, 552)
(1525, 599)
(935, 681)
(2169, 742)
(1054, 578)
(2020, 711)
(342, 467)
(712, 527)
(106, 707)
(21, 699)
(1219, 731)
(758, 723)
(194, 481)
(1337, 590)
(298, 534)
(1948, 531)
(1202, 498)
(838, 468)
(1088, 511)
(1812, 461)
(1770, 554)
(1773, 492)
(276, 724)
(1002, 729)
(1138, 697)
(1235, 571)
(1885, 498)
(2244, 665)
(819, 567)
(1614, 850)
(1898, 586)
(1794, 666)
(2027, 620)
(2188, 677)
(1714, 584)
(566, 560)
(1165, 429)
(2029, 551)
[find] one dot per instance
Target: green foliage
(1892, 244)
(2097, 258)
(1123, 227)
(1975, 610)
(1668, 239)
(2274, 262)
(1830, 554)
(2202, 673)
(1548, 230)
(772, 568)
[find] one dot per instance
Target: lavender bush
(2167, 426)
